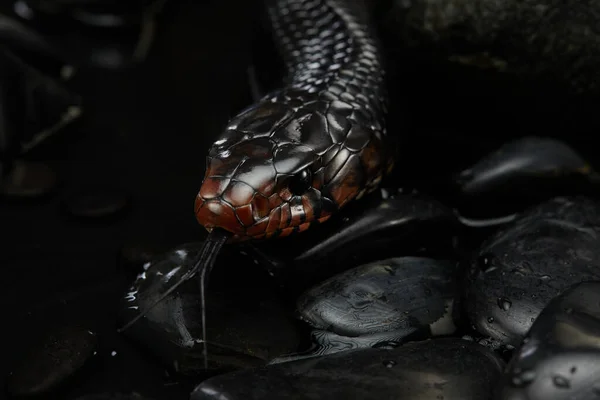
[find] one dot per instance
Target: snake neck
(331, 53)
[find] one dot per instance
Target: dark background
(145, 131)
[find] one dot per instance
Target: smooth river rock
(522, 173)
(405, 294)
(57, 358)
(560, 357)
(449, 369)
(520, 269)
(247, 323)
(394, 300)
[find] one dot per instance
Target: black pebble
(28, 180)
(560, 357)
(448, 369)
(61, 354)
(517, 271)
(97, 203)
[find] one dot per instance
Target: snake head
(275, 170)
(257, 186)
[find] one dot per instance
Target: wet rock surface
(521, 173)
(239, 334)
(54, 360)
(406, 294)
(451, 369)
(517, 271)
(560, 356)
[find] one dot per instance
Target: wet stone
(96, 203)
(247, 323)
(517, 271)
(57, 358)
(560, 356)
(449, 369)
(406, 295)
(326, 342)
(522, 173)
(28, 180)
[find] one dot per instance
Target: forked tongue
(203, 264)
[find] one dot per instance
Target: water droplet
(485, 262)
(389, 363)
(545, 277)
(490, 320)
(504, 303)
(569, 310)
(522, 379)
(561, 382)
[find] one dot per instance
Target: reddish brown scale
(274, 221)
(285, 194)
(244, 214)
(213, 187)
(213, 213)
(308, 209)
(274, 201)
(370, 158)
(286, 215)
(261, 207)
(258, 228)
(238, 194)
(347, 183)
(286, 232)
(303, 227)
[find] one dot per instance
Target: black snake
(308, 148)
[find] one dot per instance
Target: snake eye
(301, 182)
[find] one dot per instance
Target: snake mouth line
(278, 233)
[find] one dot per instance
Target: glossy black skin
(310, 147)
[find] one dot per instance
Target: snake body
(310, 147)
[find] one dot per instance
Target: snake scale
(308, 148)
